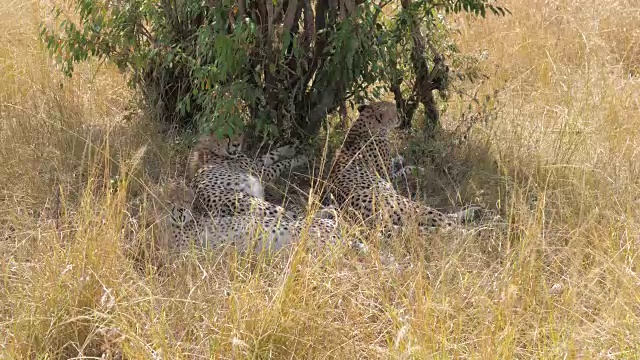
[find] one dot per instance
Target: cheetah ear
(362, 107)
(188, 196)
(186, 215)
(200, 154)
(196, 161)
(175, 214)
(180, 214)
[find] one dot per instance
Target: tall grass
(563, 281)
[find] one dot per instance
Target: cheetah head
(228, 146)
(210, 146)
(380, 115)
(178, 198)
(171, 222)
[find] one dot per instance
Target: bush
(277, 67)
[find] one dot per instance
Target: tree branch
(242, 12)
(270, 18)
(309, 26)
(290, 15)
(426, 81)
(325, 103)
(322, 7)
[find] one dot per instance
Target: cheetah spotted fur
(359, 176)
(227, 183)
(243, 231)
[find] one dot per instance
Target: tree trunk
(426, 81)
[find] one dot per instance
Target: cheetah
(270, 233)
(227, 183)
(359, 178)
(187, 228)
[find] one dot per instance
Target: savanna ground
(558, 158)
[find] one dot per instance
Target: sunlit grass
(79, 276)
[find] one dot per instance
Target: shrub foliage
(276, 66)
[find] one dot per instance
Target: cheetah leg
(406, 170)
(274, 156)
(264, 208)
(270, 174)
(397, 163)
(399, 167)
(466, 215)
(326, 212)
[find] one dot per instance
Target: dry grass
(562, 282)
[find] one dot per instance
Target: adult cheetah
(269, 233)
(227, 183)
(359, 176)
(187, 227)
